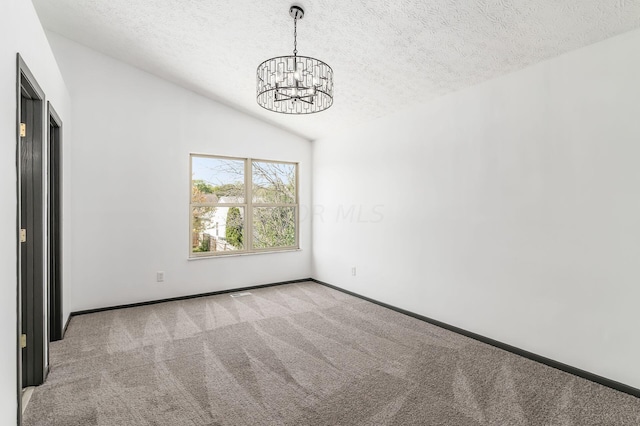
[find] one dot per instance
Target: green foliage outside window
(234, 227)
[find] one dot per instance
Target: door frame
(54, 220)
(23, 74)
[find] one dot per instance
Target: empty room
(391, 212)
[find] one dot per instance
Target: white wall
(130, 165)
(510, 209)
(20, 31)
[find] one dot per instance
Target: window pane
(217, 180)
(273, 182)
(274, 227)
(217, 229)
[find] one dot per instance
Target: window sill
(253, 253)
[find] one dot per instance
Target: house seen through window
(242, 205)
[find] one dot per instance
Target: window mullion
(218, 204)
(297, 219)
(248, 188)
(274, 205)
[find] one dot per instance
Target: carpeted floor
(300, 354)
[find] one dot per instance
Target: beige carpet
(300, 354)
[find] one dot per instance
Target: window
(242, 205)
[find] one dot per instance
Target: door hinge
(23, 341)
(23, 130)
(23, 235)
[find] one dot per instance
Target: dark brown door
(31, 215)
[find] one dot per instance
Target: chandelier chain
(295, 36)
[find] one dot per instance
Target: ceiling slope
(387, 55)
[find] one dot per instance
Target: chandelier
(294, 84)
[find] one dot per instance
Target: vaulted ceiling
(387, 55)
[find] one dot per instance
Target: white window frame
(248, 206)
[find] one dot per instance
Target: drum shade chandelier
(294, 84)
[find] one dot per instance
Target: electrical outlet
(160, 276)
(353, 271)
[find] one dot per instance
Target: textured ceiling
(387, 55)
